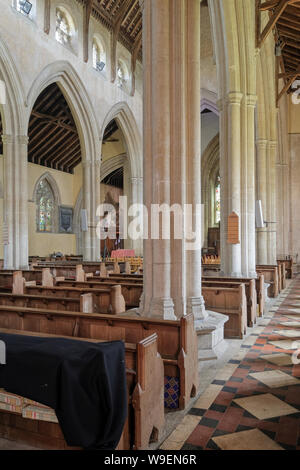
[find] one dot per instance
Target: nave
(253, 403)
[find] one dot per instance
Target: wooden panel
(233, 230)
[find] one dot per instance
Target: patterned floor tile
(253, 439)
(275, 379)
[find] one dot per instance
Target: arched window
(99, 56)
(64, 27)
(218, 199)
(45, 207)
(122, 74)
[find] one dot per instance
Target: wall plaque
(233, 229)
(65, 219)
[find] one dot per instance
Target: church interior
(116, 334)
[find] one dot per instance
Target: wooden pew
(84, 303)
(177, 340)
(145, 387)
(259, 285)
(231, 302)
(250, 291)
(271, 277)
(131, 291)
(102, 300)
(289, 267)
(282, 270)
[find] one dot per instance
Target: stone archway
(63, 74)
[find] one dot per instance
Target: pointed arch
(56, 199)
(62, 73)
(133, 141)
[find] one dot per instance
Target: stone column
(136, 184)
(8, 203)
(15, 202)
(230, 169)
(272, 213)
(22, 155)
(261, 165)
(157, 301)
(249, 194)
(90, 202)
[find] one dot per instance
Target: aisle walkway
(254, 402)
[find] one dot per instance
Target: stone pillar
(136, 191)
(8, 203)
(230, 169)
(15, 202)
(249, 185)
(272, 212)
(157, 301)
(22, 144)
(172, 168)
(261, 165)
(90, 202)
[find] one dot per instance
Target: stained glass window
(45, 203)
(218, 199)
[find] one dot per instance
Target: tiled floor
(254, 402)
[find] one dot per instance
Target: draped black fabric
(85, 383)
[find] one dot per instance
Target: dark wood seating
(271, 277)
(145, 386)
(177, 340)
(289, 267)
(259, 285)
(231, 302)
(131, 291)
(250, 291)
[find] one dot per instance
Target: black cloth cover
(85, 383)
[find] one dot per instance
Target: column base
(210, 333)
(163, 309)
(196, 306)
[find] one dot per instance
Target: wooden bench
(271, 277)
(231, 302)
(259, 285)
(250, 291)
(177, 340)
(145, 387)
(289, 267)
(282, 271)
(103, 300)
(131, 291)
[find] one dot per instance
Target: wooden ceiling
(124, 15)
(53, 137)
(284, 21)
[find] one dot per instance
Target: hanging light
(25, 6)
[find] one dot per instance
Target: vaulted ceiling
(284, 21)
(53, 137)
(122, 15)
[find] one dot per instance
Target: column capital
(22, 139)
(273, 144)
(262, 144)
(7, 139)
(86, 163)
(251, 101)
(234, 97)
